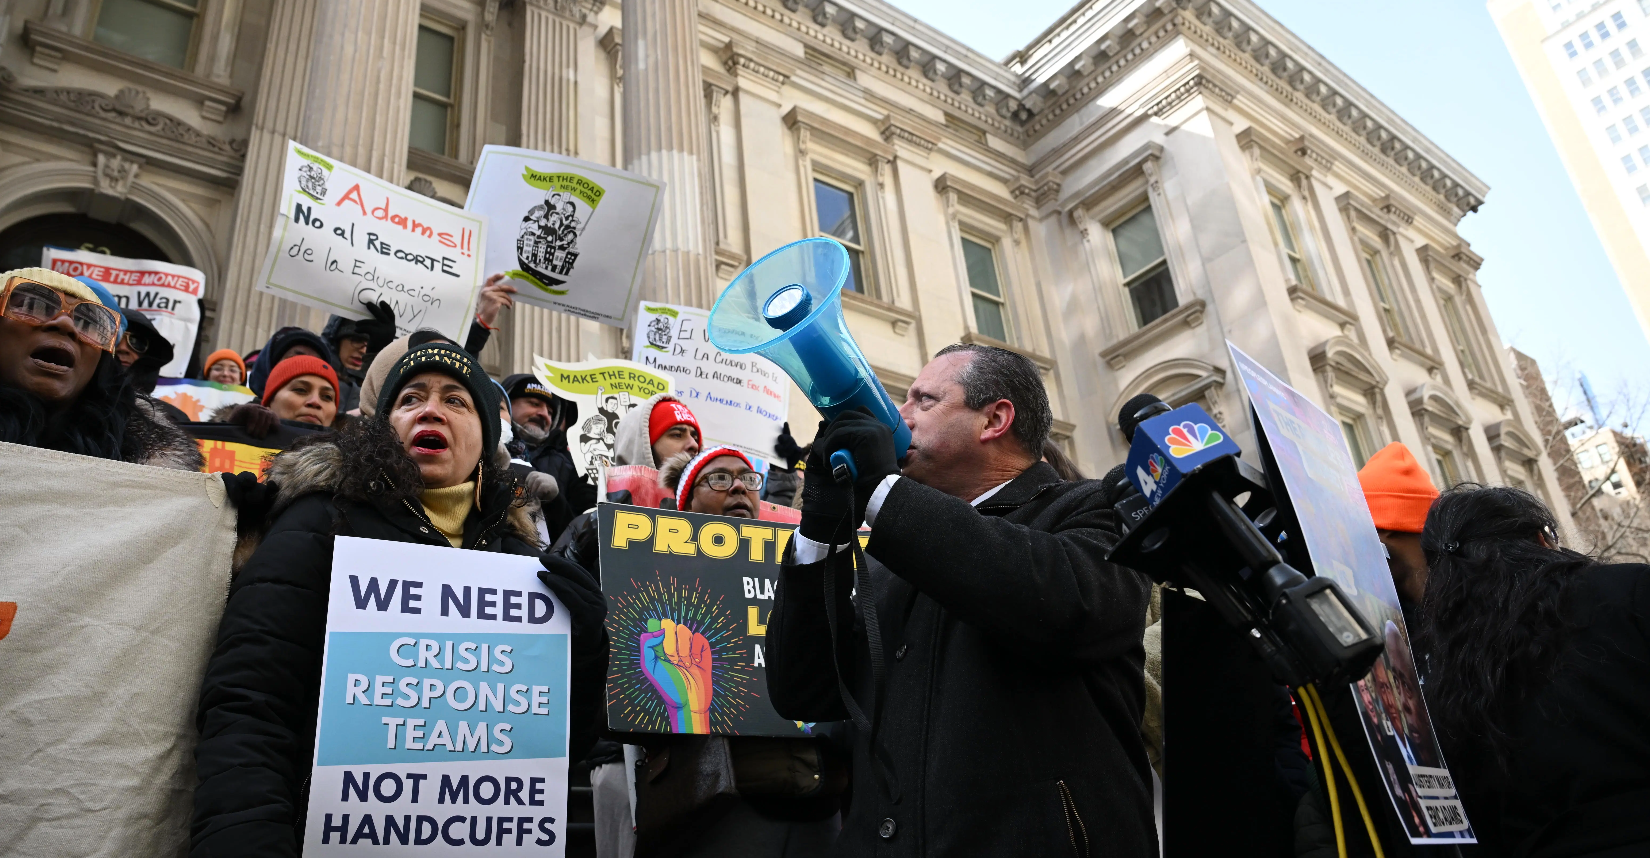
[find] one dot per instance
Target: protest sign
(604, 390)
(570, 232)
(344, 236)
(113, 581)
(200, 399)
(740, 400)
(709, 580)
(443, 705)
(168, 295)
(227, 448)
(1310, 455)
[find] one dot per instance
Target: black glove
(380, 329)
(253, 500)
(787, 448)
(1120, 491)
(872, 445)
(579, 594)
(257, 420)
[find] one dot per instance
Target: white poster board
(344, 236)
(604, 390)
(443, 716)
(740, 400)
(168, 295)
(571, 234)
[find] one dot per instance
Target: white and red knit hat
(684, 486)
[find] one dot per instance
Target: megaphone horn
(787, 307)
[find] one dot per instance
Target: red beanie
(294, 366)
(1398, 489)
(684, 486)
(668, 413)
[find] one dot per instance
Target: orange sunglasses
(36, 303)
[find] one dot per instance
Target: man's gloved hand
(824, 499)
(253, 500)
(579, 594)
(1118, 489)
(257, 420)
(380, 329)
(787, 448)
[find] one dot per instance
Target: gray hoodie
(632, 445)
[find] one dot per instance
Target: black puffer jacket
(1013, 662)
(577, 494)
(259, 696)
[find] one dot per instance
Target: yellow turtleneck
(447, 509)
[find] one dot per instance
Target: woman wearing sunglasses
(61, 385)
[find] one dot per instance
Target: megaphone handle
(843, 468)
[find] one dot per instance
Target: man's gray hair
(995, 373)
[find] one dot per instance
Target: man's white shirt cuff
(809, 551)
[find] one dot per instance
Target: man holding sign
(414, 473)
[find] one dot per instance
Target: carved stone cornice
(130, 107)
(1200, 84)
(978, 198)
(738, 63)
(1188, 315)
(893, 132)
(52, 47)
(577, 11)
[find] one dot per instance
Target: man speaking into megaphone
(988, 656)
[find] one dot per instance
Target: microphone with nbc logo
(1171, 445)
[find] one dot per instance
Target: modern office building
(1587, 66)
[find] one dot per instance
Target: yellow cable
(1328, 775)
(1369, 824)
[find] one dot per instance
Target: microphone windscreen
(1126, 416)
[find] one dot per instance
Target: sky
(1441, 65)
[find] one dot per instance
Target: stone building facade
(1143, 182)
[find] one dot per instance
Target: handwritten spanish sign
(168, 295)
(571, 232)
(345, 236)
(443, 716)
(604, 390)
(740, 400)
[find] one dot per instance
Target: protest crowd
(983, 679)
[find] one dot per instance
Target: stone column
(337, 77)
(664, 138)
(549, 123)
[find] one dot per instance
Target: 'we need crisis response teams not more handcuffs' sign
(443, 718)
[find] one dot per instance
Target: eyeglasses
(37, 304)
(137, 342)
(721, 481)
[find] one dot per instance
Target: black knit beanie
(456, 362)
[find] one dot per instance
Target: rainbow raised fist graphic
(1189, 437)
(678, 661)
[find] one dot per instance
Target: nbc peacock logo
(1189, 437)
(1157, 465)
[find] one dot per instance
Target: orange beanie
(1398, 489)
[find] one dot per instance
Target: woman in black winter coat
(414, 473)
(1539, 679)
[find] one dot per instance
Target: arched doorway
(21, 244)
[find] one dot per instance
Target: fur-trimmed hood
(152, 439)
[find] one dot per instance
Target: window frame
(1126, 282)
(1287, 228)
(1458, 326)
(995, 246)
(855, 189)
(190, 55)
(1355, 428)
(1377, 272)
(453, 103)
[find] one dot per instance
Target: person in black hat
(540, 419)
(356, 343)
(418, 471)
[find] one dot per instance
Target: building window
(1615, 95)
(1144, 266)
(1615, 481)
(1634, 49)
(1443, 459)
(1603, 31)
(1644, 7)
(1598, 105)
(1613, 134)
(1385, 297)
(1585, 459)
(990, 311)
(158, 30)
(1627, 161)
(1620, 22)
(839, 218)
(1586, 39)
(1356, 431)
(1644, 152)
(1646, 75)
(1633, 86)
(1644, 195)
(435, 70)
(1605, 454)
(1586, 80)
(1570, 50)
(1618, 59)
(1458, 335)
(1602, 69)
(1631, 124)
(1289, 244)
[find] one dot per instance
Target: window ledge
(1416, 354)
(52, 47)
(1486, 391)
(1189, 315)
(1045, 364)
(1305, 299)
(440, 166)
(900, 318)
(728, 261)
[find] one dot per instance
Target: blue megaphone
(788, 308)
